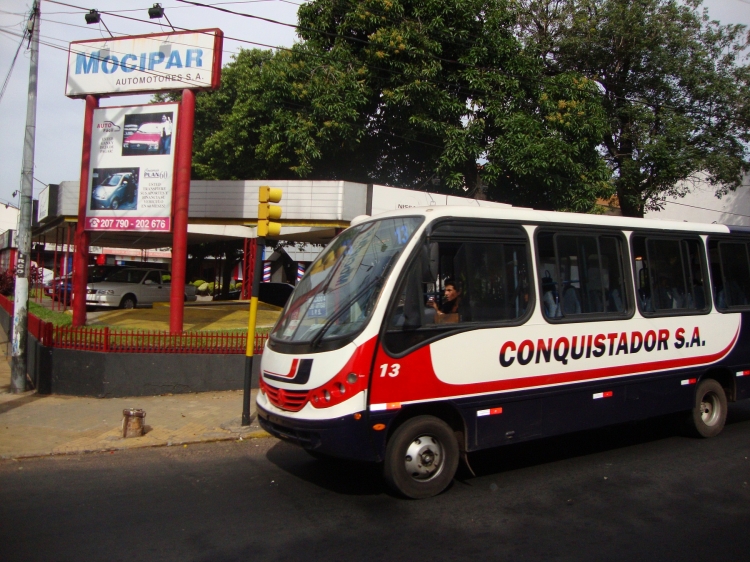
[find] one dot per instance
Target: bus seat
(429, 315)
(551, 304)
(571, 304)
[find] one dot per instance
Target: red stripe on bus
(289, 375)
(423, 384)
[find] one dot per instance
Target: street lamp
(157, 12)
(93, 17)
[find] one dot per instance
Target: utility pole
(21, 302)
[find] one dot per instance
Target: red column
(81, 256)
(181, 201)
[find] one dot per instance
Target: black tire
(708, 416)
(128, 301)
(115, 204)
(421, 457)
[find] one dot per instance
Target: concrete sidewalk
(38, 425)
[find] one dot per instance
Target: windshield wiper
(347, 305)
(345, 308)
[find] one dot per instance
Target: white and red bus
(560, 322)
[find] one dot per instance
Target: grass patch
(55, 317)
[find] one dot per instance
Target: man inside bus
(448, 309)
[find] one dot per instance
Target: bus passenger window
(580, 274)
(669, 274)
(462, 281)
(730, 272)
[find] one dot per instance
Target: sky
(59, 125)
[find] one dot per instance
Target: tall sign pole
(21, 302)
(81, 255)
(181, 204)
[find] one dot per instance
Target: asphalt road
(638, 492)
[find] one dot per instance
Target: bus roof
(531, 216)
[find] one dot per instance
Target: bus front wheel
(421, 457)
(710, 411)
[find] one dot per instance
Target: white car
(133, 287)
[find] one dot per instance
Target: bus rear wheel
(709, 414)
(421, 457)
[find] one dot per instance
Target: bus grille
(290, 400)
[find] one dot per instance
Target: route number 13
(395, 367)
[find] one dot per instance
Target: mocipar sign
(145, 63)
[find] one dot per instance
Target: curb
(261, 434)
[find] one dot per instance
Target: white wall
(702, 205)
(8, 217)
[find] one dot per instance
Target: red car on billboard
(148, 139)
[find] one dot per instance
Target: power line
(458, 88)
(12, 64)
(173, 7)
(226, 51)
(176, 27)
(706, 208)
(498, 70)
(452, 85)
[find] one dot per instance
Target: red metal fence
(136, 341)
(148, 341)
(6, 304)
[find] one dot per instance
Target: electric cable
(12, 64)
(345, 37)
(605, 95)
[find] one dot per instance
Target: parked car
(114, 191)
(275, 293)
(129, 288)
(62, 288)
(146, 139)
(270, 293)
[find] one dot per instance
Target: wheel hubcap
(424, 458)
(710, 409)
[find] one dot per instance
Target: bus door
(466, 282)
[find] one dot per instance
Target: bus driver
(450, 303)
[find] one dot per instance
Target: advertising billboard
(145, 63)
(132, 168)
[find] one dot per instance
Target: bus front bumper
(344, 437)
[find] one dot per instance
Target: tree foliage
(674, 86)
(545, 103)
(409, 93)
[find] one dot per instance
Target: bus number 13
(393, 372)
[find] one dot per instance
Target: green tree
(673, 84)
(404, 92)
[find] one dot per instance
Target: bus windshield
(337, 295)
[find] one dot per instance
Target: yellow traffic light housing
(268, 213)
(269, 194)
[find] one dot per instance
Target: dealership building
(313, 213)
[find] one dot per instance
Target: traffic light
(268, 213)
